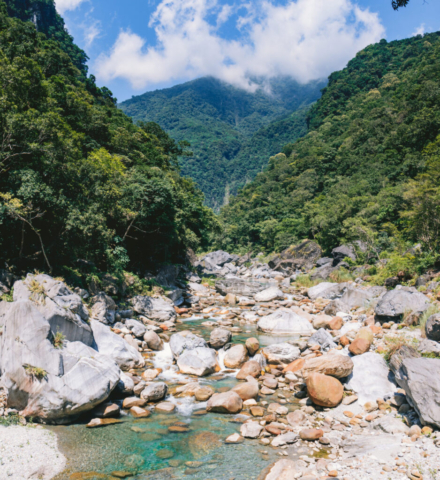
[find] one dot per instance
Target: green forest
(231, 132)
(368, 167)
(79, 180)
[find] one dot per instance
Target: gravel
(29, 452)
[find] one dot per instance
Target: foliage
(232, 132)
(35, 372)
(78, 180)
(58, 340)
(306, 281)
(368, 168)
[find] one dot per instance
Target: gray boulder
(268, 295)
(399, 301)
(176, 296)
(285, 322)
(281, 353)
(361, 297)
(371, 378)
(108, 343)
(154, 308)
(429, 347)
(198, 289)
(322, 337)
(238, 287)
(136, 328)
(62, 308)
(103, 309)
(199, 361)
(323, 272)
(182, 341)
(336, 306)
(432, 327)
(154, 392)
(219, 338)
(51, 384)
(326, 290)
(324, 261)
(218, 258)
(302, 256)
(153, 340)
(341, 252)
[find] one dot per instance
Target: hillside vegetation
(79, 181)
(368, 168)
(232, 132)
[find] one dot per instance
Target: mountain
(368, 167)
(80, 184)
(229, 128)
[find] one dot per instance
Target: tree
(396, 4)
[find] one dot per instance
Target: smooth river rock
(227, 402)
(285, 322)
(281, 353)
(200, 361)
(236, 356)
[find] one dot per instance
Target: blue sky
(140, 45)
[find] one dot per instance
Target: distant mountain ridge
(229, 128)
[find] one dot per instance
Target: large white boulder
(108, 343)
(48, 383)
(326, 290)
(199, 361)
(396, 302)
(371, 378)
(185, 340)
(281, 353)
(268, 295)
(154, 308)
(63, 309)
(284, 321)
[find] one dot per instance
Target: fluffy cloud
(64, 5)
(306, 39)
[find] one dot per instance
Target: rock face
(236, 356)
(324, 390)
(326, 290)
(281, 353)
(396, 302)
(180, 342)
(45, 382)
(154, 308)
(62, 308)
(199, 361)
(420, 378)
(335, 365)
(219, 337)
(227, 402)
(112, 345)
(268, 295)
(285, 322)
(371, 378)
(432, 327)
(238, 287)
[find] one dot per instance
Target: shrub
(58, 340)
(35, 372)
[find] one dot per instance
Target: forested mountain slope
(78, 180)
(369, 166)
(227, 127)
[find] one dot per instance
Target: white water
(186, 405)
(164, 360)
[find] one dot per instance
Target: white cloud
(419, 30)
(64, 5)
(91, 32)
(306, 39)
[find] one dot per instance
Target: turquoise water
(145, 448)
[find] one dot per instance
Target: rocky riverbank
(338, 380)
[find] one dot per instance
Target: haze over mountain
(232, 131)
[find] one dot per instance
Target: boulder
(154, 308)
(281, 353)
(303, 256)
(334, 365)
(236, 356)
(153, 340)
(185, 340)
(136, 328)
(311, 434)
(284, 439)
(359, 346)
(231, 299)
(296, 418)
(238, 287)
(323, 273)
(251, 430)
(247, 390)
(218, 258)
(252, 345)
(154, 392)
(336, 306)
(335, 323)
(432, 328)
(251, 368)
(429, 347)
(323, 338)
(324, 390)
(268, 295)
(321, 321)
(198, 289)
(285, 322)
(227, 402)
(340, 253)
(103, 309)
(62, 308)
(219, 338)
(355, 297)
(326, 290)
(51, 384)
(396, 302)
(108, 343)
(199, 361)
(371, 378)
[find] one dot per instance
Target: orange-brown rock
(295, 366)
(335, 323)
(139, 412)
(359, 346)
(251, 368)
(344, 341)
(375, 329)
(252, 345)
(324, 390)
(335, 365)
(247, 390)
(311, 434)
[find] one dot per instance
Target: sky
(140, 45)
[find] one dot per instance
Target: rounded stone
(324, 390)
(251, 368)
(359, 346)
(252, 345)
(236, 356)
(311, 434)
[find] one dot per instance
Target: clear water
(147, 450)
